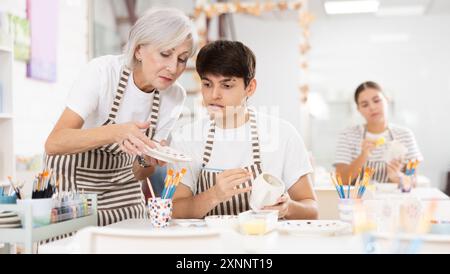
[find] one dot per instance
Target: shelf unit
(28, 235)
(7, 156)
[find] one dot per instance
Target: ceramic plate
(411, 236)
(222, 221)
(167, 154)
(189, 222)
(320, 227)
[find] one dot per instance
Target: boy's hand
(227, 183)
(282, 205)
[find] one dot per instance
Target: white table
(234, 242)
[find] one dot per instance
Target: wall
(408, 56)
(37, 105)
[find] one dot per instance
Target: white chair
(117, 240)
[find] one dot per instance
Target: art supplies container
(41, 210)
(71, 209)
(8, 199)
(347, 208)
(257, 222)
(160, 211)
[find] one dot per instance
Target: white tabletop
(232, 241)
(273, 242)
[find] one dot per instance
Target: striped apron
(380, 166)
(107, 171)
(207, 179)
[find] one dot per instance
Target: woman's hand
(367, 146)
(131, 138)
(282, 205)
(394, 170)
(227, 182)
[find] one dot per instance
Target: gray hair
(164, 28)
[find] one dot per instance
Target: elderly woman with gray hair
(117, 107)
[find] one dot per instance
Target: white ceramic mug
(266, 189)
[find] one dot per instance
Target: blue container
(8, 199)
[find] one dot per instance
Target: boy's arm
(187, 206)
(303, 202)
(300, 203)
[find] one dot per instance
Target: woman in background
(365, 145)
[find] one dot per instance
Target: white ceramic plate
(189, 222)
(222, 221)
(411, 236)
(308, 227)
(167, 154)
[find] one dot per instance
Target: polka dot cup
(160, 211)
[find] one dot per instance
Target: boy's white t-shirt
(283, 152)
(93, 93)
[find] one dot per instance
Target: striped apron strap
(123, 82)
(381, 174)
(254, 137)
(154, 115)
(209, 143)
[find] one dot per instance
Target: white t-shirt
(283, 152)
(93, 93)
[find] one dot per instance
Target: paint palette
(167, 154)
(317, 227)
(222, 221)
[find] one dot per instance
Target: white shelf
(6, 116)
(7, 155)
(29, 235)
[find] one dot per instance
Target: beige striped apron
(207, 179)
(107, 171)
(380, 167)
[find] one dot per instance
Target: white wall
(37, 105)
(408, 56)
(275, 44)
(414, 68)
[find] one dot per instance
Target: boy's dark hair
(227, 58)
(366, 85)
